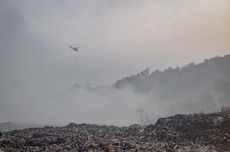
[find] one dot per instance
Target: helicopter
(75, 48)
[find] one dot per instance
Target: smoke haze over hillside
(118, 39)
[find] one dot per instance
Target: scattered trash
(179, 133)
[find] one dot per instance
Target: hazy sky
(118, 38)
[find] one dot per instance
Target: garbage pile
(211, 130)
(179, 133)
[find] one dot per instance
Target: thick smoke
(117, 39)
(144, 97)
(191, 89)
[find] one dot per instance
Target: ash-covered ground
(192, 132)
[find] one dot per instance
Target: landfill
(179, 133)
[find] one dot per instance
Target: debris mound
(179, 133)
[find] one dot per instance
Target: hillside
(187, 77)
(203, 87)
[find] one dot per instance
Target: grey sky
(128, 36)
(118, 38)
